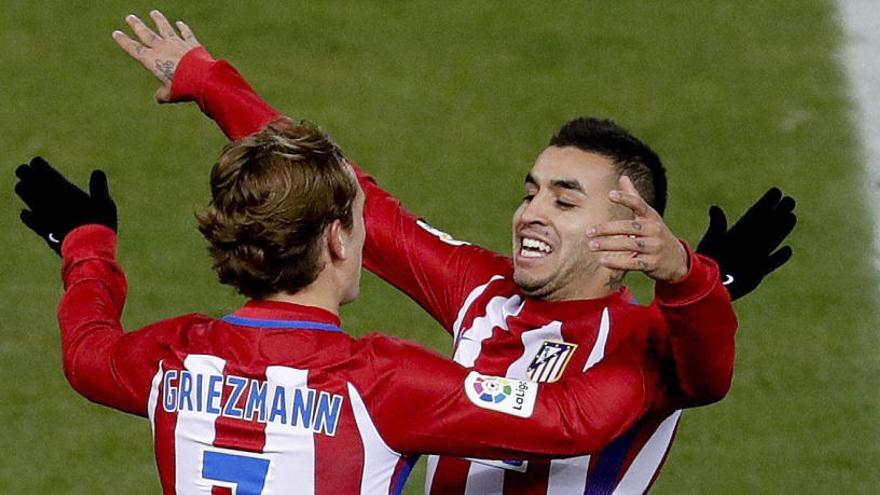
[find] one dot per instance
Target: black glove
(745, 251)
(57, 206)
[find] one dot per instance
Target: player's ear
(335, 234)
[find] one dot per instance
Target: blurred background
(447, 104)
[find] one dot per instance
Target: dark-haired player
(548, 312)
(275, 398)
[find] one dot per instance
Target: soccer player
(548, 312)
(275, 397)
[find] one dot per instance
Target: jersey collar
(277, 314)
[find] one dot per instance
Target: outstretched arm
(451, 410)
(429, 266)
(101, 362)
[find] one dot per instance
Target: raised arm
(429, 266)
(690, 297)
(427, 404)
(187, 72)
(81, 226)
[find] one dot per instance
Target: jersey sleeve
(221, 93)
(101, 361)
(435, 270)
(424, 403)
(701, 328)
(431, 267)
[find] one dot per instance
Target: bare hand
(158, 53)
(652, 247)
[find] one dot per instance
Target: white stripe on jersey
(153, 401)
(598, 352)
(194, 430)
(640, 473)
(379, 459)
(532, 340)
(567, 475)
(456, 327)
(290, 451)
(429, 474)
(470, 343)
(484, 480)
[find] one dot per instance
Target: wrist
(191, 71)
(684, 268)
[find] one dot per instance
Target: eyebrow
(570, 184)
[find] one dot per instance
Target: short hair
(272, 195)
(631, 157)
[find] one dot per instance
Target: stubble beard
(560, 284)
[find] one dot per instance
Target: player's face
(566, 193)
(356, 244)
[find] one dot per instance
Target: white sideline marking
(861, 21)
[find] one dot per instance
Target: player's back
(261, 406)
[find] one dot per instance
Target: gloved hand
(745, 252)
(57, 206)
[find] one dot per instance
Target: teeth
(535, 244)
(528, 253)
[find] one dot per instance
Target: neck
(318, 294)
(602, 283)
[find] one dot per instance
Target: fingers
(717, 221)
(710, 243)
(162, 24)
(144, 33)
(185, 32)
(630, 264)
(629, 197)
(163, 94)
(786, 204)
(625, 227)
(98, 188)
(23, 171)
(762, 207)
(127, 44)
(778, 259)
(32, 222)
(643, 245)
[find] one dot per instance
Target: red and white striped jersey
(275, 398)
(496, 329)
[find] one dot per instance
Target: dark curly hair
(631, 157)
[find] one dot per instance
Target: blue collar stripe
(305, 325)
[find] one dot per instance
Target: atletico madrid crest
(550, 361)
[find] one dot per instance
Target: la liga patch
(505, 395)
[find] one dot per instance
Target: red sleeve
(430, 267)
(701, 327)
(221, 93)
(434, 269)
(101, 361)
(420, 403)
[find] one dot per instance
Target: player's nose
(535, 211)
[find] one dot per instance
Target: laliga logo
(492, 390)
(509, 396)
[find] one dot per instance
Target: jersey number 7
(246, 474)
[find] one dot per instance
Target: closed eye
(564, 205)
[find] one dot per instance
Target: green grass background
(448, 104)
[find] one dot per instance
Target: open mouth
(534, 248)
